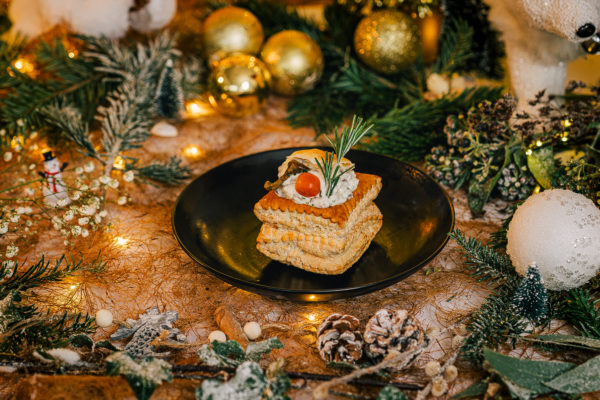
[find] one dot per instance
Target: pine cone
(339, 340)
(392, 330)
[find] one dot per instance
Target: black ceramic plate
(215, 225)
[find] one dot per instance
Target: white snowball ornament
(252, 330)
(104, 318)
(218, 336)
(559, 230)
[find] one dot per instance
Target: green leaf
(580, 342)
(229, 349)
(476, 389)
(391, 393)
(143, 377)
(249, 383)
(209, 356)
(81, 340)
(256, 349)
(105, 344)
(581, 379)
(541, 165)
(525, 378)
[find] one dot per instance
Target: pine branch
(172, 172)
(579, 308)
(455, 48)
(41, 273)
(409, 132)
(486, 264)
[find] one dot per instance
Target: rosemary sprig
(341, 143)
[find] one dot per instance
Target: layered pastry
(319, 215)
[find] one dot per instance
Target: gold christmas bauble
(231, 30)
(294, 60)
(387, 41)
(239, 85)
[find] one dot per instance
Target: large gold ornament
(294, 60)
(387, 41)
(231, 30)
(239, 85)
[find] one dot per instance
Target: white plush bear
(110, 18)
(541, 36)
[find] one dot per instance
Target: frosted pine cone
(392, 330)
(339, 340)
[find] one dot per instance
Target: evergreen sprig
(455, 48)
(341, 143)
(171, 172)
(579, 308)
(486, 264)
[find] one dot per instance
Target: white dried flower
(8, 156)
(76, 195)
(83, 221)
(122, 200)
(79, 170)
(84, 187)
(11, 251)
(28, 222)
(432, 368)
(62, 202)
(97, 218)
(95, 184)
(24, 210)
(76, 230)
(89, 167)
(31, 166)
(103, 213)
(9, 265)
(85, 232)
(3, 227)
(88, 209)
(450, 373)
(69, 215)
(113, 183)
(15, 218)
(128, 176)
(65, 356)
(29, 191)
(104, 179)
(439, 386)
(56, 226)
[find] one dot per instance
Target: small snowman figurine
(54, 189)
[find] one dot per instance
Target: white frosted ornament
(252, 330)
(218, 336)
(104, 318)
(163, 129)
(559, 231)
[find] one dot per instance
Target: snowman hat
(48, 156)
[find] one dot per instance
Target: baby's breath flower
(9, 265)
(24, 210)
(95, 184)
(76, 195)
(15, 218)
(128, 176)
(69, 215)
(8, 156)
(11, 251)
(85, 233)
(29, 191)
(88, 209)
(79, 170)
(76, 230)
(31, 166)
(83, 221)
(113, 183)
(62, 202)
(122, 200)
(84, 187)
(3, 227)
(103, 213)
(97, 218)
(104, 179)
(28, 222)
(89, 167)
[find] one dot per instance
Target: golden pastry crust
(324, 244)
(294, 253)
(368, 188)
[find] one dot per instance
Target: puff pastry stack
(322, 240)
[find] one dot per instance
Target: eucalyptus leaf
(581, 379)
(230, 349)
(391, 393)
(525, 376)
(475, 390)
(249, 383)
(580, 342)
(105, 344)
(256, 349)
(143, 376)
(541, 165)
(81, 340)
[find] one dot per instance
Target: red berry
(308, 185)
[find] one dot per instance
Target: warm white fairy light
(193, 151)
(121, 241)
(119, 163)
(198, 108)
(311, 317)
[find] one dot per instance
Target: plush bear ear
(152, 14)
(575, 21)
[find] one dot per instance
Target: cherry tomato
(308, 185)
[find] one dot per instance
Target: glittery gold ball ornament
(294, 60)
(387, 41)
(239, 85)
(231, 30)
